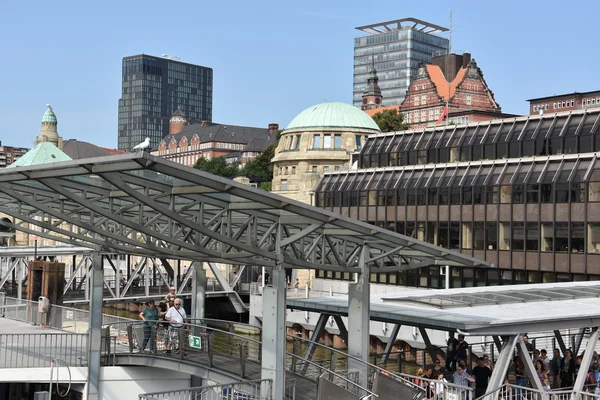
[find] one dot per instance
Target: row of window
(456, 195)
(324, 141)
(516, 149)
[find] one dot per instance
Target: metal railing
(514, 392)
(248, 390)
(59, 317)
(39, 349)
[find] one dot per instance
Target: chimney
(274, 128)
(466, 59)
(204, 124)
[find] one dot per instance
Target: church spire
(372, 97)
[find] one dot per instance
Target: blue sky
(271, 59)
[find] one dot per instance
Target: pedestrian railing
(247, 390)
(58, 317)
(514, 392)
(39, 349)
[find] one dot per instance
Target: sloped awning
(145, 205)
(487, 310)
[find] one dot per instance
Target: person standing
(555, 367)
(451, 353)
(567, 370)
(462, 351)
(482, 376)
(177, 317)
(149, 315)
(462, 378)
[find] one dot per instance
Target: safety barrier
(248, 390)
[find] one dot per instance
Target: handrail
(334, 373)
(203, 389)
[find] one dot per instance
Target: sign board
(69, 314)
(195, 342)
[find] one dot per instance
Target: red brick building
(185, 143)
(564, 102)
(10, 154)
(466, 94)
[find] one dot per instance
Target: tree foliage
(261, 169)
(390, 120)
(217, 166)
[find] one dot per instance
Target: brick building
(466, 94)
(564, 102)
(185, 143)
(9, 154)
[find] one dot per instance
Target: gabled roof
(444, 88)
(374, 111)
(43, 153)
(223, 133)
(77, 149)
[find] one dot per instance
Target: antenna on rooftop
(450, 35)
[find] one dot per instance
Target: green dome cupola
(333, 115)
(49, 115)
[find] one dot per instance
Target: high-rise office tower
(396, 48)
(154, 88)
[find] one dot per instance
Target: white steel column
(358, 320)
(198, 291)
(273, 332)
(19, 275)
(585, 364)
(501, 367)
(95, 328)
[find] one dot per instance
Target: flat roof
(413, 23)
(167, 58)
(145, 205)
(566, 94)
(491, 310)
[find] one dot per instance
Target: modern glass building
(396, 47)
(153, 88)
(522, 193)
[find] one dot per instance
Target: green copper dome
(49, 115)
(333, 115)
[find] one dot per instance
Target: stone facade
(298, 164)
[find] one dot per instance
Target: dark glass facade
(529, 203)
(153, 88)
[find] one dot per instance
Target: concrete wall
(125, 383)
(116, 383)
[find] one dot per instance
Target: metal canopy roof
(145, 205)
(495, 310)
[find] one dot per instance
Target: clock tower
(372, 97)
(177, 122)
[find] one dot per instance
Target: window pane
(317, 142)
(327, 141)
(338, 141)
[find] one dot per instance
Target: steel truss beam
(144, 205)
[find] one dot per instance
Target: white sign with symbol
(69, 314)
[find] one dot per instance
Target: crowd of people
(556, 373)
(166, 321)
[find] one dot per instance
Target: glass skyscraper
(396, 47)
(153, 88)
